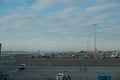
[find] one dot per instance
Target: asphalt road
(49, 72)
(69, 62)
(78, 69)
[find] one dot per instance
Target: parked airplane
(115, 54)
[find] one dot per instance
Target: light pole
(38, 53)
(95, 49)
(83, 71)
(0, 47)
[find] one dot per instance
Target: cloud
(9, 18)
(68, 24)
(103, 7)
(44, 4)
(7, 1)
(18, 10)
(106, 1)
(67, 12)
(103, 16)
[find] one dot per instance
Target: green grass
(7, 58)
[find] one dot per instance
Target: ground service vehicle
(63, 75)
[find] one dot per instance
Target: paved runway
(49, 72)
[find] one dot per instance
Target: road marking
(10, 71)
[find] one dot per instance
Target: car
(63, 75)
(22, 66)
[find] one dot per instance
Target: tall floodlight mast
(0, 47)
(95, 49)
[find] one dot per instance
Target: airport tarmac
(49, 72)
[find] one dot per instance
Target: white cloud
(93, 9)
(9, 17)
(67, 12)
(102, 16)
(103, 7)
(44, 4)
(3, 29)
(106, 1)
(18, 10)
(15, 17)
(65, 26)
(8, 1)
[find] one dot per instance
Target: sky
(59, 25)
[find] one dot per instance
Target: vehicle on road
(22, 66)
(63, 75)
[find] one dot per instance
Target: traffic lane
(90, 73)
(39, 72)
(21, 75)
(45, 72)
(69, 68)
(93, 72)
(8, 68)
(16, 74)
(75, 69)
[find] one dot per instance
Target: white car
(22, 66)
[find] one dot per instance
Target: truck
(3, 76)
(63, 75)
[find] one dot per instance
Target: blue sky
(59, 25)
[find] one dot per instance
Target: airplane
(115, 54)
